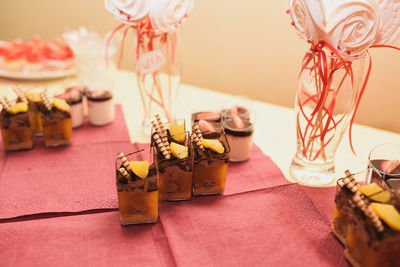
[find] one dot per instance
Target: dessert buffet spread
(33, 114)
(183, 164)
(35, 56)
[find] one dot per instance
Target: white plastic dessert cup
(74, 96)
(77, 114)
(101, 109)
(239, 131)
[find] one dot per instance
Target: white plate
(40, 75)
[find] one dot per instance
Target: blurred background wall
(240, 47)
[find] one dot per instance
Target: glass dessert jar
(16, 126)
(176, 164)
(57, 123)
(35, 106)
(137, 187)
(366, 220)
(74, 97)
(211, 158)
(384, 160)
(176, 172)
(239, 131)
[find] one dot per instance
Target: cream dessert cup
(74, 97)
(101, 109)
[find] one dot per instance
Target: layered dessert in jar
(100, 107)
(56, 121)
(35, 107)
(174, 159)
(211, 159)
(137, 187)
(16, 126)
(74, 97)
(209, 122)
(366, 220)
(239, 132)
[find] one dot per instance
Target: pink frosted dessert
(101, 107)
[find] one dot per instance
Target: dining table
(59, 207)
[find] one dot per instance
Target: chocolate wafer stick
(196, 129)
(4, 102)
(163, 133)
(156, 127)
(124, 161)
(374, 219)
(161, 146)
(197, 141)
(46, 100)
(123, 172)
(164, 138)
(368, 211)
(350, 182)
(351, 177)
(17, 90)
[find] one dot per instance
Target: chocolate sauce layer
(54, 115)
(137, 182)
(98, 96)
(231, 128)
(9, 120)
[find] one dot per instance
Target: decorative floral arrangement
(338, 31)
(152, 20)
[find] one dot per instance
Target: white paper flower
(389, 29)
(309, 19)
(168, 15)
(129, 11)
(351, 25)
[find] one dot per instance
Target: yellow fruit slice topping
(179, 151)
(214, 145)
(61, 104)
(388, 214)
(33, 97)
(140, 168)
(19, 107)
(375, 192)
(178, 133)
(382, 197)
(370, 189)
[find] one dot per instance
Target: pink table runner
(261, 219)
(271, 227)
(83, 240)
(64, 179)
(81, 177)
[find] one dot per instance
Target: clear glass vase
(327, 94)
(158, 72)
